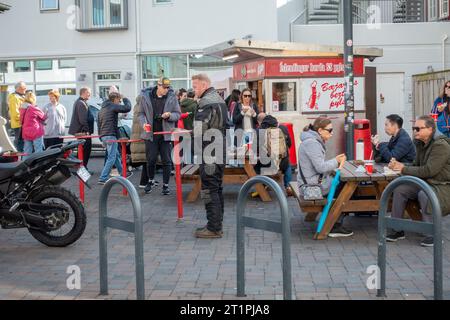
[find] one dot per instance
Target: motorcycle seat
(8, 169)
(41, 156)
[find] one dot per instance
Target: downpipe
(444, 38)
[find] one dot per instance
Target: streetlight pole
(349, 79)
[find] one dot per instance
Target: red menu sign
(249, 71)
(295, 67)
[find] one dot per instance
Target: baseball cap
(165, 82)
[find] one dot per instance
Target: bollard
(137, 228)
(260, 224)
(413, 226)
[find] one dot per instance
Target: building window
(432, 10)
(174, 66)
(159, 2)
(102, 14)
(180, 68)
(444, 4)
(22, 66)
(49, 5)
(3, 67)
(66, 63)
(44, 65)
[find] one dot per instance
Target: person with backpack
(33, 125)
(432, 164)
(277, 141)
(314, 168)
(108, 130)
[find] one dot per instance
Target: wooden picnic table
(352, 186)
(232, 175)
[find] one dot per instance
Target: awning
(244, 50)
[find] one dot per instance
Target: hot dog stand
(297, 82)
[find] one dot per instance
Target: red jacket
(32, 119)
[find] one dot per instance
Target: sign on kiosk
(328, 94)
(293, 68)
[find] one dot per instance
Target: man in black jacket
(400, 147)
(82, 122)
(211, 114)
(108, 129)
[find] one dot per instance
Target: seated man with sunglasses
(432, 164)
(400, 146)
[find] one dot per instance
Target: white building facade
(414, 37)
(69, 44)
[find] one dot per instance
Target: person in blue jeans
(108, 130)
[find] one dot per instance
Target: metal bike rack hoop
(413, 226)
(267, 225)
(135, 227)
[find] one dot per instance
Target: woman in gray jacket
(313, 165)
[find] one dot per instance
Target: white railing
(368, 11)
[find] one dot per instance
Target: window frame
(85, 16)
(444, 9)
(18, 71)
(165, 3)
(45, 69)
(61, 67)
(430, 11)
(43, 9)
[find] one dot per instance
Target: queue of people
(36, 128)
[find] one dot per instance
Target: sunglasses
(329, 130)
(418, 128)
(247, 95)
(447, 87)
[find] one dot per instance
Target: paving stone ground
(178, 266)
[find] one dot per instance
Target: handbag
(311, 191)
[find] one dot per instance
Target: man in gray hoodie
(160, 109)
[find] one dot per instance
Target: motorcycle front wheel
(72, 227)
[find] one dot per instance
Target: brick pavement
(178, 266)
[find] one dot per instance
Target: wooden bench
(311, 207)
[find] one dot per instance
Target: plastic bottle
(360, 150)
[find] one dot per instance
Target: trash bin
(292, 150)
(362, 132)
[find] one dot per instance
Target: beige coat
(137, 149)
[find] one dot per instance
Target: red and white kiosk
(297, 82)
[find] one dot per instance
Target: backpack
(276, 143)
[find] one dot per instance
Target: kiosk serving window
(284, 96)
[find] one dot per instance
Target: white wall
(31, 33)
(196, 24)
(408, 48)
(286, 14)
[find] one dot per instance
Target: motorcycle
(31, 196)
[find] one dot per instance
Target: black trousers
(48, 142)
(212, 180)
(158, 147)
(87, 151)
